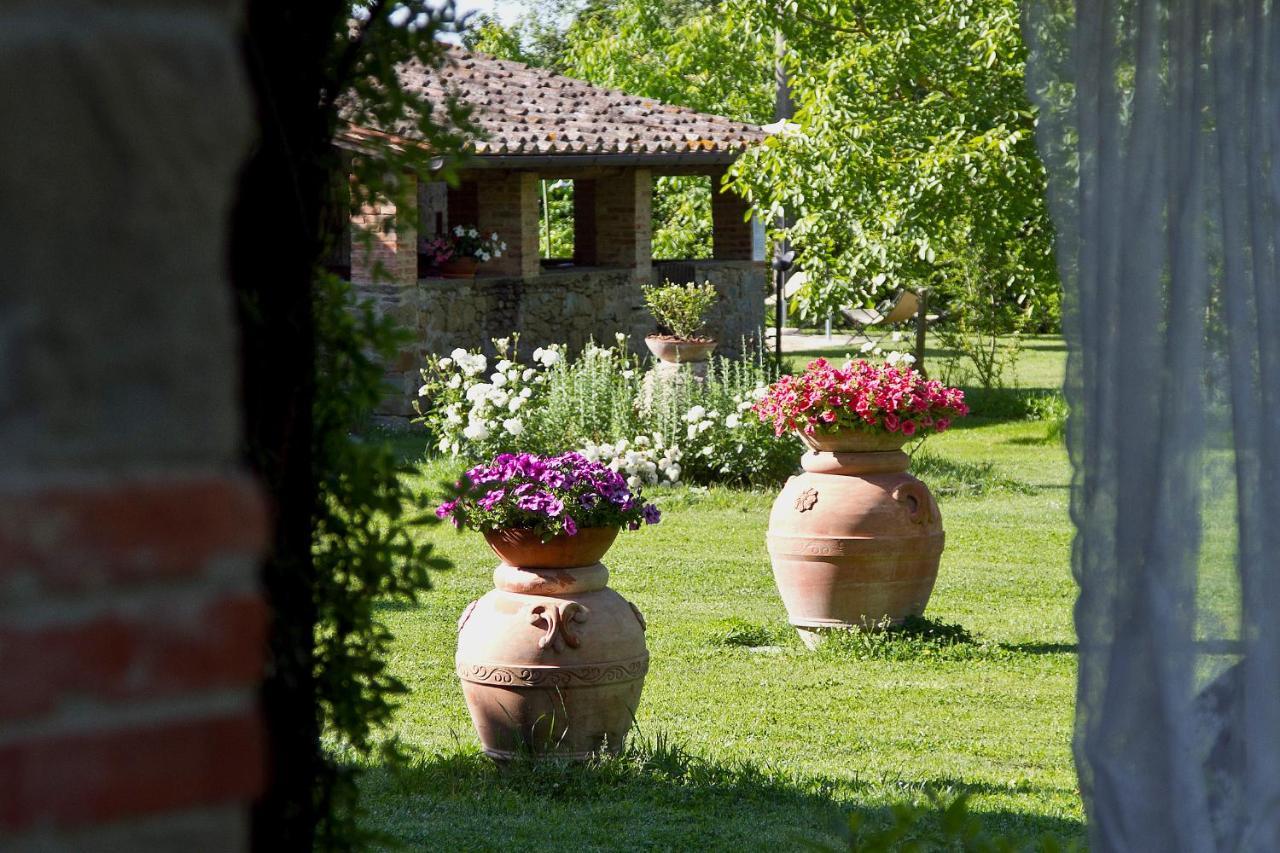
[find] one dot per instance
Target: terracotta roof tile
(524, 110)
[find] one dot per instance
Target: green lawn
(745, 748)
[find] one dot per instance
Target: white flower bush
(698, 431)
(473, 410)
(646, 460)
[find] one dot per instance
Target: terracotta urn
(459, 268)
(855, 540)
(680, 350)
(552, 661)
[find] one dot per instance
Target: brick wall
(731, 232)
(131, 625)
(624, 221)
(508, 204)
(384, 246)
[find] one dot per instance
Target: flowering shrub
(860, 395)
(464, 242)
(645, 460)
(600, 403)
(551, 495)
(484, 412)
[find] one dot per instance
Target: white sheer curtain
(1160, 125)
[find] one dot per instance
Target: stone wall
(568, 306)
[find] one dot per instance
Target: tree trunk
(275, 247)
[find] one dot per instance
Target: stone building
(538, 126)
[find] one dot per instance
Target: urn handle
(557, 621)
(916, 498)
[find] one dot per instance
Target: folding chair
(887, 315)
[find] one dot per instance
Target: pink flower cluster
(860, 395)
(439, 250)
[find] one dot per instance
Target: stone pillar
(508, 203)
(131, 622)
(384, 246)
(624, 221)
(584, 223)
(731, 230)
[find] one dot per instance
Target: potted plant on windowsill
(457, 253)
(680, 311)
(551, 661)
(855, 539)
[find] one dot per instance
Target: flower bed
(600, 405)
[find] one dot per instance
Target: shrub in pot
(681, 312)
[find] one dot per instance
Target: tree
(339, 531)
(912, 162)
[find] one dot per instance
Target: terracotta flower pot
(854, 441)
(459, 268)
(526, 549)
(552, 663)
(679, 350)
(854, 540)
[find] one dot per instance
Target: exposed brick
(124, 655)
(624, 221)
(731, 231)
(80, 538)
(117, 773)
(384, 246)
(508, 204)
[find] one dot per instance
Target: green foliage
(682, 217)
(680, 309)
(913, 162)
(695, 53)
(362, 552)
(559, 207)
(362, 549)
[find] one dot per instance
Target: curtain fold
(1159, 124)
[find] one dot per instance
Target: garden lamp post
(782, 262)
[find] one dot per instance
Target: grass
(744, 739)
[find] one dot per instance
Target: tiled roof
(531, 111)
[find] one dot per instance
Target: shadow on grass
(1042, 648)
(656, 795)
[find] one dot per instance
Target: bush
(680, 309)
(606, 405)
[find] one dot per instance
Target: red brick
(81, 537)
(122, 656)
(121, 773)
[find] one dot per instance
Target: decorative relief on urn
(806, 500)
(557, 620)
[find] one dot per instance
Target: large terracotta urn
(552, 661)
(855, 540)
